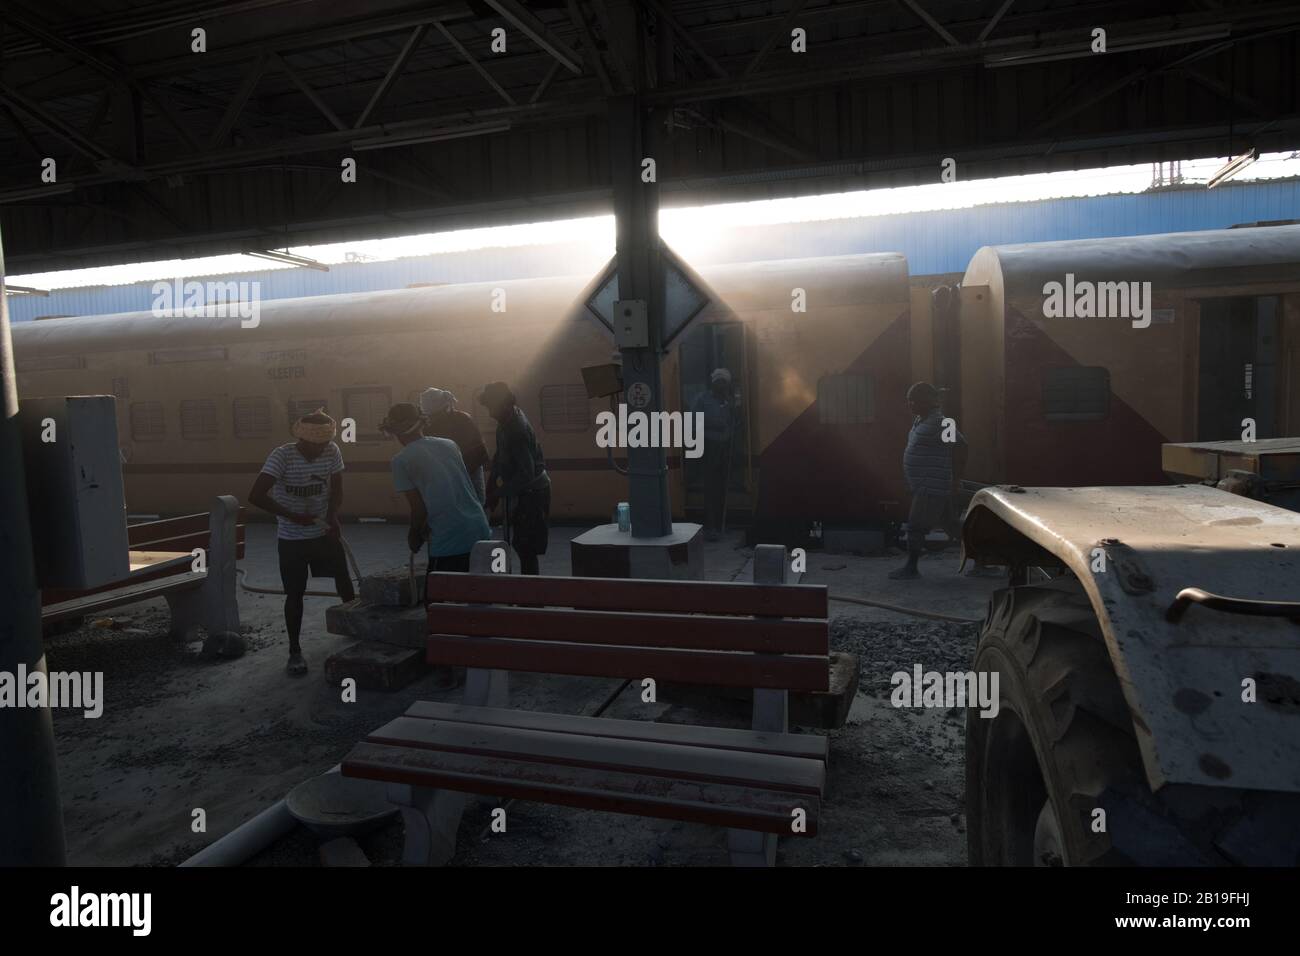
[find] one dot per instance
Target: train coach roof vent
(682, 298)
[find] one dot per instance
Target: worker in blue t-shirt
(445, 509)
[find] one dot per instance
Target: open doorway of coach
(705, 347)
(1239, 344)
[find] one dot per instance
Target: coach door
(705, 347)
(1237, 373)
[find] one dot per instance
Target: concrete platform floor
(180, 733)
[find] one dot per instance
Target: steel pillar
(640, 276)
(31, 815)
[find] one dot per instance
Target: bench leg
(186, 612)
(750, 848)
(431, 818)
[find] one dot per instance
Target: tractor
(1148, 647)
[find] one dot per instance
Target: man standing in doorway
(518, 477)
(302, 485)
(933, 468)
(444, 508)
(442, 419)
(719, 413)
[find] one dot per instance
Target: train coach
(819, 350)
(1070, 363)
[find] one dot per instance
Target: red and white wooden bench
(760, 783)
(162, 560)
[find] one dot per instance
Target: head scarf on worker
(720, 375)
(402, 419)
(435, 401)
(496, 394)
(316, 427)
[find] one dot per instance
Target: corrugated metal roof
(934, 242)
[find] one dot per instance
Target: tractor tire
(1055, 777)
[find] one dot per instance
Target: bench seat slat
(617, 594)
(117, 596)
(750, 808)
(809, 746)
(682, 631)
(775, 671)
(736, 767)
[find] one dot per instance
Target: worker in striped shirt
(302, 485)
(933, 468)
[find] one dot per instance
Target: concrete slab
(606, 552)
(375, 666)
(403, 626)
(392, 588)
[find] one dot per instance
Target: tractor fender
(1214, 695)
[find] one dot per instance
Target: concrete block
(376, 666)
(342, 851)
(393, 588)
(403, 626)
(606, 552)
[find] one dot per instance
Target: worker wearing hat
(301, 483)
(933, 470)
(442, 419)
(518, 477)
(445, 510)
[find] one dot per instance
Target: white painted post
(771, 714)
(432, 817)
(220, 607)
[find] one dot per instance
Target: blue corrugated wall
(934, 242)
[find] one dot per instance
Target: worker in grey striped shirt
(302, 485)
(933, 469)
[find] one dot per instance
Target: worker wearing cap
(718, 408)
(302, 485)
(442, 419)
(933, 470)
(518, 477)
(430, 472)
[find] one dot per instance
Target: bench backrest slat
(616, 594)
(682, 631)
(777, 671)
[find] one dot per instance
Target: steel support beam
(931, 22)
(995, 20)
(394, 71)
(308, 92)
(590, 53)
(782, 30)
(31, 816)
(538, 32)
(479, 68)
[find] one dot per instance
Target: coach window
(845, 399)
(565, 408)
(252, 417)
(198, 419)
(299, 407)
(367, 407)
(147, 421)
(1076, 394)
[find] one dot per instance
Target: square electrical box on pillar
(631, 324)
